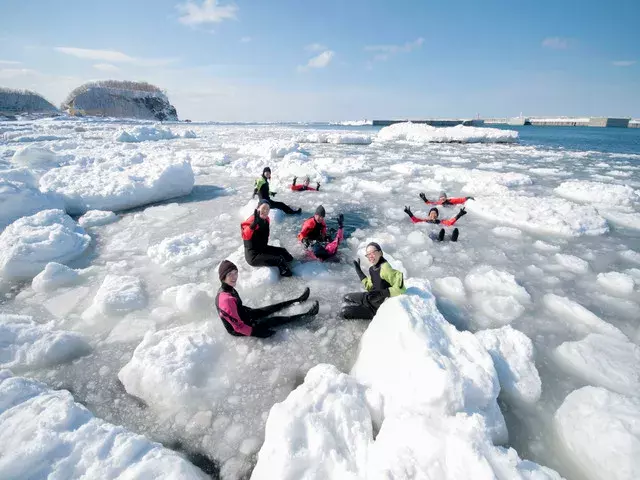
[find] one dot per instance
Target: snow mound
(45, 434)
(20, 196)
(513, 356)
(422, 133)
(145, 134)
(616, 283)
(180, 250)
(497, 296)
(118, 295)
(572, 263)
(169, 367)
(329, 413)
(34, 157)
(337, 138)
(26, 344)
(252, 277)
(507, 232)
(598, 193)
(95, 218)
(604, 361)
(600, 432)
(578, 318)
(540, 215)
(451, 287)
(270, 149)
(118, 184)
(54, 276)
(189, 297)
(456, 373)
(30, 243)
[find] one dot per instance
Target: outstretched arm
(451, 221)
(415, 219)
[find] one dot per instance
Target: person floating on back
(261, 189)
(257, 251)
(315, 238)
(433, 218)
(444, 200)
(383, 282)
(256, 322)
(305, 185)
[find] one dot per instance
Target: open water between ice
(550, 247)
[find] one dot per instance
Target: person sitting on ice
(261, 189)
(240, 320)
(433, 218)
(305, 185)
(255, 234)
(314, 235)
(383, 282)
(444, 200)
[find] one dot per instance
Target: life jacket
(261, 187)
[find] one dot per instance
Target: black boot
(304, 296)
(441, 235)
(284, 270)
(454, 235)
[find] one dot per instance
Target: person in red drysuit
(444, 200)
(305, 185)
(433, 218)
(314, 235)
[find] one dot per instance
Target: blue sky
(335, 60)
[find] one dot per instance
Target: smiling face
(263, 210)
(267, 175)
(373, 254)
(318, 218)
(306, 182)
(433, 215)
(232, 278)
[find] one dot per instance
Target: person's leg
(284, 207)
(269, 309)
(320, 252)
(278, 251)
(356, 312)
(264, 259)
(272, 322)
(332, 247)
(354, 298)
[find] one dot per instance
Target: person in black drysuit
(384, 282)
(240, 320)
(257, 251)
(262, 190)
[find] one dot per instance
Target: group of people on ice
(382, 282)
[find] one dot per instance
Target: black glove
(262, 332)
(340, 221)
(470, 198)
(423, 197)
(256, 216)
(294, 180)
(273, 194)
(461, 213)
(407, 210)
(359, 272)
(306, 242)
(318, 186)
(255, 192)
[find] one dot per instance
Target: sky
(292, 60)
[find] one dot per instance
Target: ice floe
(422, 133)
(54, 276)
(95, 218)
(117, 295)
(598, 193)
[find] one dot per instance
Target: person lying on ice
(256, 322)
(255, 234)
(314, 235)
(261, 189)
(383, 282)
(305, 185)
(444, 200)
(433, 217)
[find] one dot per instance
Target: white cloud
(556, 43)
(623, 63)
(245, 39)
(6, 73)
(385, 52)
(113, 57)
(106, 67)
(9, 62)
(315, 47)
(208, 12)
(319, 61)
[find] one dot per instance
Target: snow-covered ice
(95, 218)
(422, 133)
(616, 283)
(144, 134)
(54, 275)
(180, 250)
(598, 193)
(117, 295)
(600, 432)
(45, 434)
(30, 243)
(118, 184)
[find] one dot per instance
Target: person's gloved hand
(273, 194)
(407, 210)
(256, 216)
(306, 242)
(262, 332)
(318, 186)
(423, 197)
(461, 213)
(294, 180)
(470, 198)
(359, 272)
(340, 221)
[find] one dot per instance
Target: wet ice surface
(550, 247)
